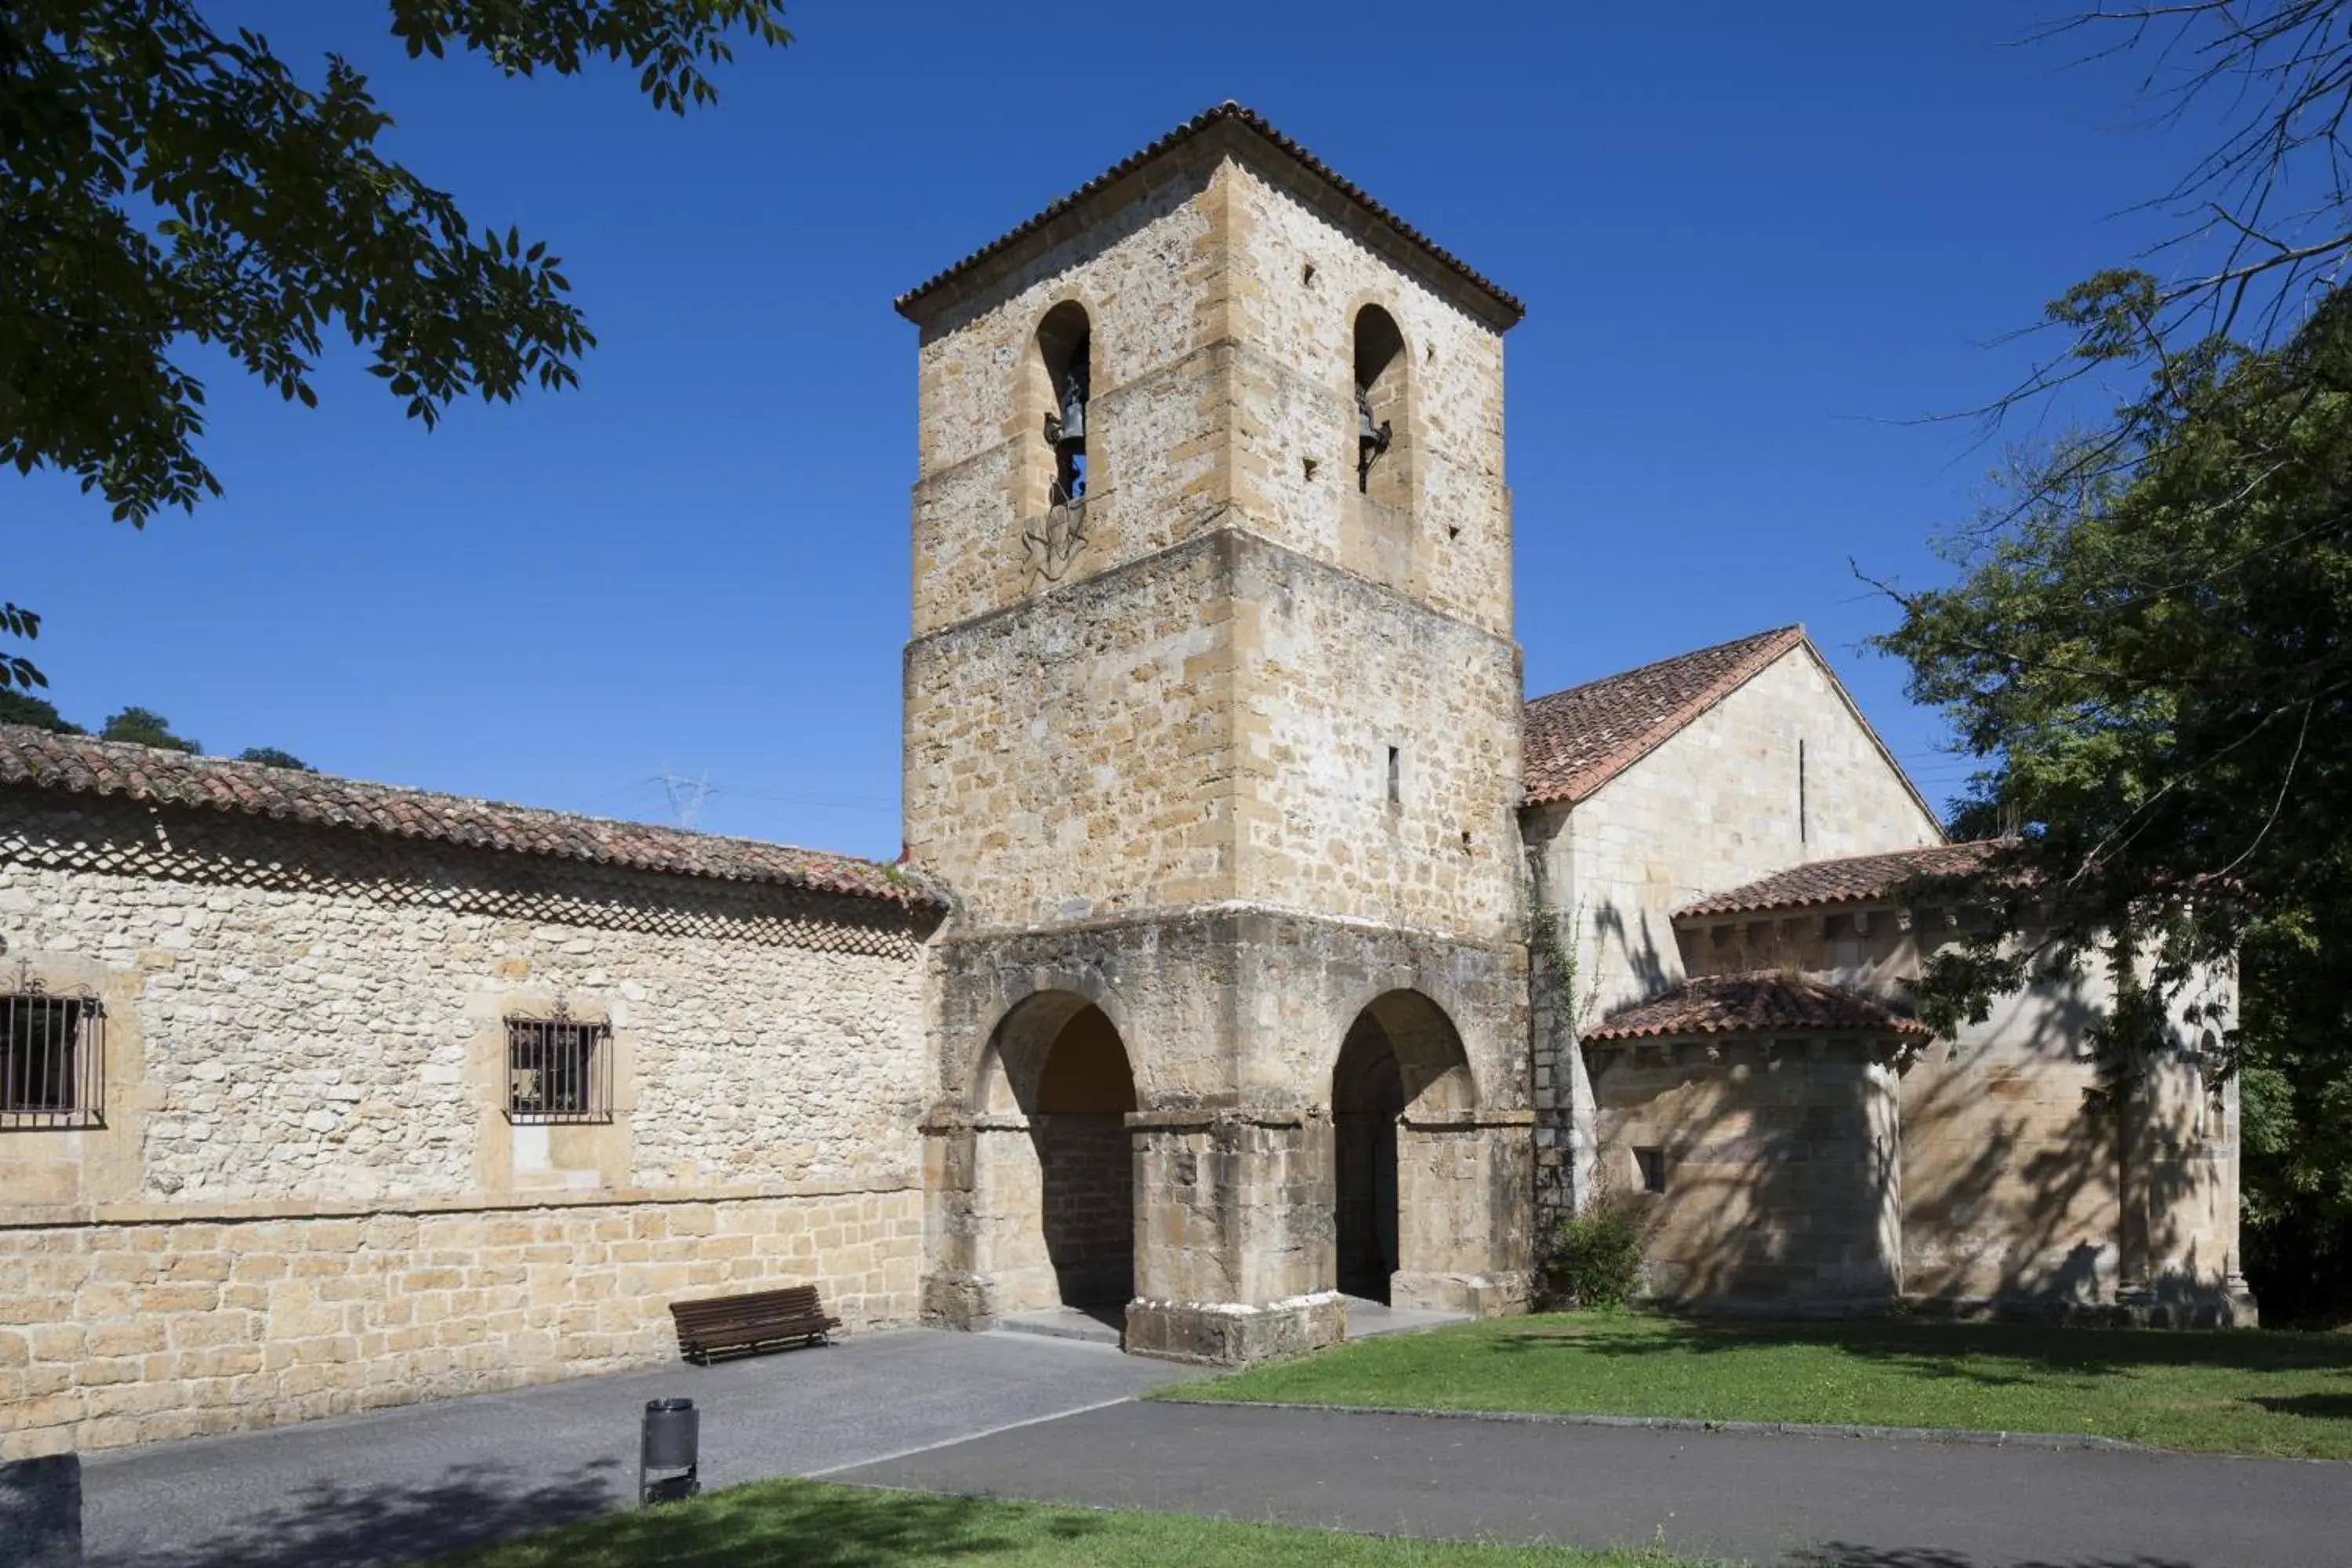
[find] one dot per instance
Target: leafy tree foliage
(2148, 650)
(19, 708)
(271, 757)
(145, 727)
(163, 187)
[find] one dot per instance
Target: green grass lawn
(2239, 1392)
(810, 1525)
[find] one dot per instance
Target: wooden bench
(764, 1319)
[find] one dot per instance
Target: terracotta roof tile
(75, 765)
(1852, 879)
(1225, 113)
(1579, 739)
(1762, 1002)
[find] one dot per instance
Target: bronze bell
(1371, 439)
(1070, 431)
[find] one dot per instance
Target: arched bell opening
(1378, 539)
(1399, 1056)
(1055, 1163)
(1057, 395)
(1383, 426)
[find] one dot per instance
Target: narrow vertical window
(1396, 777)
(1651, 1164)
(1801, 792)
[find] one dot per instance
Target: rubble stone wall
(305, 1151)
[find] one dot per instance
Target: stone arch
(1053, 1159)
(1401, 1059)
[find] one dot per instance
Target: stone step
(1100, 1326)
(1370, 1320)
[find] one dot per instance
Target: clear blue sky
(1755, 242)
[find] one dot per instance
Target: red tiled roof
(1852, 879)
(75, 764)
(1762, 1002)
(1227, 113)
(1579, 739)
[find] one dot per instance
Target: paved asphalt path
(1768, 1499)
(391, 1487)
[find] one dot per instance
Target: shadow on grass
(797, 1523)
(2316, 1407)
(336, 1526)
(1838, 1555)
(489, 1518)
(1992, 1355)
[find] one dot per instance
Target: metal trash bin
(668, 1451)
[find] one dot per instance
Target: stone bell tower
(1213, 724)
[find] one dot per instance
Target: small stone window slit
(1802, 827)
(1651, 1164)
(1396, 778)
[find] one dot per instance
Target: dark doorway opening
(1086, 1162)
(1366, 1099)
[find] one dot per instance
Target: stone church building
(1257, 946)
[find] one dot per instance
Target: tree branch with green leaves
(164, 186)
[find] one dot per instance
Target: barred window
(52, 1059)
(559, 1069)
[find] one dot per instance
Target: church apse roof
(1761, 1002)
(1848, 879)
(1577, 740)
(1227, 118)
(77, 764)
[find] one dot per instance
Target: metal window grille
(559, 1069)
(52, 1058)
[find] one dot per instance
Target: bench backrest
(760, 1306)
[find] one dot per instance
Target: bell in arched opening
(1066, 430)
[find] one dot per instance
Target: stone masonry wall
(1074, 756)
(120, 1333)
(1151, 283)
(1086, 1187)
(305, 1044)
(1334, 675)
(1186, 688)
(1301, 273)
(1781, 1180)
(2026, 1178)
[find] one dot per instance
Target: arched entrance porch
(1054, 1186)
(1400, 1078)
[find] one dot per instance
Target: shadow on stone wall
(2030, 1177)
(1780, 1165)
(2008, 1206)
(1639, 951)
